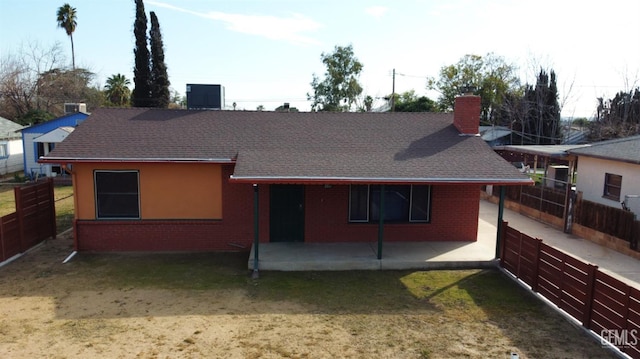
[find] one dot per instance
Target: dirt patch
(163, 306)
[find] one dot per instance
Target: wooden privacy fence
(602, 218)
(33, 221)
(600, 302)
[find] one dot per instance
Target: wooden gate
(33, 221)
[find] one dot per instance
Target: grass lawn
(205, 305)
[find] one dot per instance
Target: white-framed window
(403, 203)
(117, 194)
(612, 186)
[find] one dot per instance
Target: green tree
(159, 77)
(617, 117)
(340, 88)
(542, 111)
(117, 90)
(534, 114)
(490, 75)
(141, 94)
(410, 102)
(67, 19)
(34, 117)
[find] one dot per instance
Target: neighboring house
(609, 171)
(185, 180)
(38, 140)
(10, 147)
(496, 135)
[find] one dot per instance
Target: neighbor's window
(612, 186)
(4, 150)
(402, 203)
(117, 194)
(40, 149)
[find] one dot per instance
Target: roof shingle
(401, 147)
(621, 149)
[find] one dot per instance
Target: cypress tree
(159, 78)
(141, 94)
(542, 110)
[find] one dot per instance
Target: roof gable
(8, 129)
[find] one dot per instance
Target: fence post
(17, 192)
(500, 216)
(536, 268)
(52, 209)
(2, 257)
(519, 254)
(591, 286)
(635, 233)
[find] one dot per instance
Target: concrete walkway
(441, 255)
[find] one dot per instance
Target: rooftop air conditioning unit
(205, 97)
(74, 107)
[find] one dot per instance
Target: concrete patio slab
(442, 254)
(395, 255)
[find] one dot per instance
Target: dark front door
(286, 213)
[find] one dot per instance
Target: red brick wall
(454, 216)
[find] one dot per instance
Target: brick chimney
(466, 114)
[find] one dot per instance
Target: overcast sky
(265, 52)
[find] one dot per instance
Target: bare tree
(19, 77)
(34, 84)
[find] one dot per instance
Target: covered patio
(298, 256)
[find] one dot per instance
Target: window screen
(117, 194)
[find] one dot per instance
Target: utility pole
(393, 91)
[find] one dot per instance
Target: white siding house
(38, 140)
(609, 171)
(10, 147)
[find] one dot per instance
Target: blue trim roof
(72, 119)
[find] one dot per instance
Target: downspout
(381, 222)
(74, 183)
(499, 226)
(256, 236)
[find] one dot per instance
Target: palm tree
(67, 20)
(117, 90)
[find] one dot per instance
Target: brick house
(186, 180)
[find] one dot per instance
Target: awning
(55, 136)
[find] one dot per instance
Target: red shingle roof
(285, 147)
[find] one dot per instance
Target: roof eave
(378, 180)
(608, 158)
(133, 160)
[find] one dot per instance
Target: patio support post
(381, 222)
(500, 215)
(256, 236)
(568, 204)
